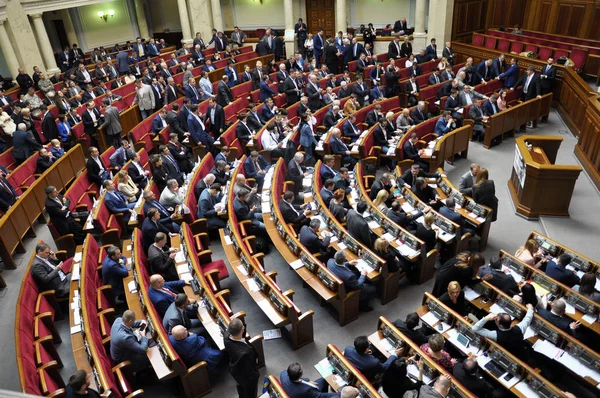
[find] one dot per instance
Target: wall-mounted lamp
(102, 15)
(260, 1)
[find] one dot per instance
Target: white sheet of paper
(183, 268)
(77, 257)
(342, 246)
(228, 240)
(529, 333)
(374, 224)
(362, 265)
(589, 318)
(470, 294)
(297, 264)
(131, 287)
(525, 390)
(242, 270)
(413, 370)
(272, 334)
(430, 318)
(387, 236)
(547, 348)
(179, 257)
(266, 207)
(496, 309)
(187, 277)
(252, 285)
(76, 329)
(569, 309)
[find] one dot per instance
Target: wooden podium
(537, 185)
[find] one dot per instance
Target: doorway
(321, 14)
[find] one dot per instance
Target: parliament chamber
(272, 199)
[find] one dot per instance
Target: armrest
(136, 393)
(197, 367)
(289, 294)
(205, 256)
(212, 277)
(272, 274)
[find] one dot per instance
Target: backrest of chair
(545, 53)
(578, 56)
(478, 39)
(229, 135)
(516, 47)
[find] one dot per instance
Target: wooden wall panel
(478, 15)
(562, 22)
(594, 28)
(544, 16)
(577, 18)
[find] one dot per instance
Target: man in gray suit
(468, 96)
(187, 75)
(145, 97)
(468, 179)
(48, 273)
(477, 115)
(124, 344)
(112, 123)
(179, 313)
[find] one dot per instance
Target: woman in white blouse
(127, 187)
(410, 61)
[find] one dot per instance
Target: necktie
(257, 166)
(170, 293)
(160, 207)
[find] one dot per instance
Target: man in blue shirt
(124, 344)
(444, 124)
(361, 356)
(114, 269)
(559, 271)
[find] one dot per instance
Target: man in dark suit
(116, 202)
(310, 239)
(209, 198)
(531, 83)
(91, 119)
(179, 153)
(318, 44)
(357, 225)
(44, 161)
(216, 116)
(498, 65)
(412, 90)
(490, 107)
(291, 88)
(339, 147)
(97, 171)
(23, 144)
(314, 93)
(399, 217)
(361, 356)
(557, 317)
(243, 359)
(409, 328)
(296, 172)
(353, 279)
(448, 53)
(244, 210)
(361, 89)
(224, 95)
(502, 281)
(114, 269)
(198, 134)
(467, 374)
(327, 170)
(151, 226)
(326, 191)
(400, 26)
(431, 51)
(175, 172)
(172, 92)
(558, 271)
(409, 177)
(394, 49)
(48, 123)
(57, 207)
(48, 273)
(179, 312)
(161, 258)
(419, 113)
(291, 213)
(411, 152)
(477, 115)
(332, 116)
(484, 72)
(298, 387)
(165, 215)
(256, 167)
(453, 106)
(547, 76)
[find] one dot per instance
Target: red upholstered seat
(220, 265)
(531, 47)
(559, 53)
(105, 156)
(503, 45)
(490, 42)
(578, 56)
(517, 47)
(545, 53)
(241, 89)
(30, 374)
(478, 39)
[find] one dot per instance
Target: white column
(8, 51)
(216, 15)
(200, 18)
(44, 43)
(441, 13)
(290, 42)
(341, 22)
(141, 19)
(419, 36)
(185, 22)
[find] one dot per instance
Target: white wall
(252, 14)
(118, 29)
(378, 12)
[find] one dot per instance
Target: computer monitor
(326, 279)
(541, 389)
(502, 359)
(545, 331)
(438, 311)
(510, 307)
(274, 297)
(585, 357)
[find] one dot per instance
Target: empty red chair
(478, 39)
(490, 42)
(578, 56)
(516, 47)
(503, 45)
(545, 53)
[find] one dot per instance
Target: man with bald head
(440, 388)
(204, 183)
(556, 316)
(194, 349)
(162, 294)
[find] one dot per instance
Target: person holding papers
(353, 279)
(161, 258)
(291, 213)
(209, 206)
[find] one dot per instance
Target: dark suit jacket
(224, 95)
(160, 263)
(58, 215)
(173, 317)
(561, 322)
(367, 364)
(290, 91)
(94, 170)
(330, 119)
(359, 229)
(149, 231)
(49, 126)
(311, 241)
(534, 89)
(48, 278)
(162, 300)
(43, 164)
(561, 274)
(24, 145)
(88, 122)
(243, 361)
(300, 389)
(502, 281)
(474, 383)
(290, 216)
(408, 177)
(135, 175)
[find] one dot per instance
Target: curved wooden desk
(537, 185)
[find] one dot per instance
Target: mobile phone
(508, 377)
(417, 358)
(440, 326)
(485, 300)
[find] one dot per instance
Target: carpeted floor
(509, 232)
